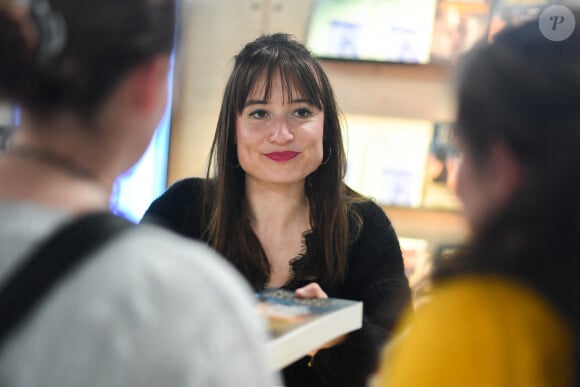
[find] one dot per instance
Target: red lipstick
(281, 156)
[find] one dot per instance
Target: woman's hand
(313, 290)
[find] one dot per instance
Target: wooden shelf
(437, 226)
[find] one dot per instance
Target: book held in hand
(299, 326)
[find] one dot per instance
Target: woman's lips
(281, 156)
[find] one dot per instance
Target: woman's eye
(303, 113)
(258, 113)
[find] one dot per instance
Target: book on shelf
(386, 158)
(443, 163)
(356, 30)
(417, 258)
(299, 325)
(459, 24)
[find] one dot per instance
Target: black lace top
(375, 275)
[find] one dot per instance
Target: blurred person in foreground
(275, 205)
(149, 308)
(505, 310)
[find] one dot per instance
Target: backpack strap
(50, 262)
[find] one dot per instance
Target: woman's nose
(281, 132)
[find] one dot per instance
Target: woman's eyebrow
(265, 102)
(255, 102)
(301, 100)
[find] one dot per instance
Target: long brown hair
(229, 230)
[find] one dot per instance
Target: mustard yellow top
(480, 331)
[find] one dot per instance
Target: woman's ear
(507, 172)
(148, 84)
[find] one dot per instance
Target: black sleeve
(178, 208)
(377, 277)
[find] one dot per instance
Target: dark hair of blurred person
(505, 309)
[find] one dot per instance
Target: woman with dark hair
(275, 205)
(148, 308)
(505, 310)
